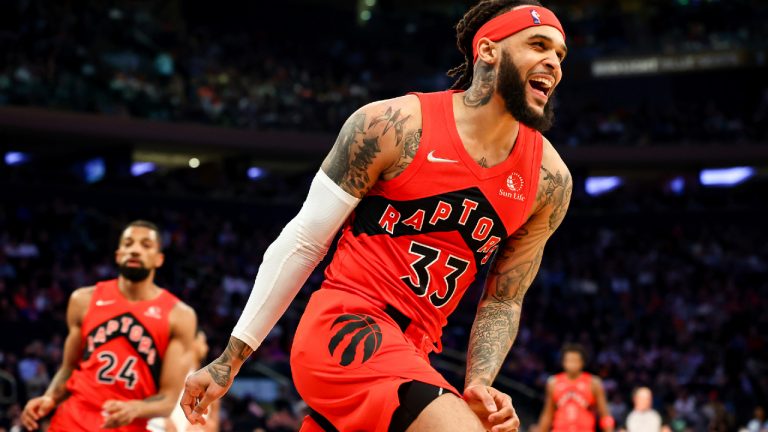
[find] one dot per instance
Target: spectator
(718, 417)
(618, 408)
(758, 422)
(32, 370)
(643, 417)
(685, 404)
(146, 65)
(283, 419)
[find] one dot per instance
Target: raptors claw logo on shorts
(363, 329)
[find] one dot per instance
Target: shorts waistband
(400, 319)
(412, 332)
(410, 329)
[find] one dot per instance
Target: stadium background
(211, 118)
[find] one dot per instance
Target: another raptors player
(177, 422)
(429, 189)
(126, 340)
(573, 397)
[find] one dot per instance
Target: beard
(512, 89)
(134, 274)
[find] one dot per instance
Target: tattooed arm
(229, 361)
(512, 272)
(377, 141)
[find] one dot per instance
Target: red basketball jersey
(416, 242)
(123, 346)
(574, 401)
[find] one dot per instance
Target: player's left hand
(493, 407)
(119, 413)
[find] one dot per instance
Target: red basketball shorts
(349, 359)
(75, 415)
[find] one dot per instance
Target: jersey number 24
(127, 373)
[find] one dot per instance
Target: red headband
(514, 21)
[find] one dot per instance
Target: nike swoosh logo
(432, 158)
(104, 302)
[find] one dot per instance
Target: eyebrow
(549, 39)
(143, 239)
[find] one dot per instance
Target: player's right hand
(202, 388)
(36, 409)
(493, 408)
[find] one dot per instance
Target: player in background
(573, 396)
(127, 338)
(432, 190)
(177, 422)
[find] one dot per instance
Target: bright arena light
(599, 185)
(94, 170)
(141, 168)
(194, 163)
(16, 158)
(725, 176)
(677, 185)
(255, 173)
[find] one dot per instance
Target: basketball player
(573, 396)
(126, 339)
(177, 422)
(428, 188)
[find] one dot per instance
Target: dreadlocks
(469, 25)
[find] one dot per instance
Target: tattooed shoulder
(555, 189)
(407, 153)
(375, 132)
(409, 145)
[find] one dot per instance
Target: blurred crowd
(167, 63)
(675, 301)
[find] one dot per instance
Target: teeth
(547, 82)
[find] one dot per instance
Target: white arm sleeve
(292, 257)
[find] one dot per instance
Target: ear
(159, 260)
(117, 256)
(488, 51)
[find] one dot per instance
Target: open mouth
(541, 85)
